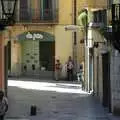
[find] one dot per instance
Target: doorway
(106, 81)
(46, 54)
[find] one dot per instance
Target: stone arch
(31, 52)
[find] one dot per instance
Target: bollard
(33, 110)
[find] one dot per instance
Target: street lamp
(73, 28)
(7, 10)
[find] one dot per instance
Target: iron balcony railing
(37, 16)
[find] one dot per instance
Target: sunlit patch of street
(48, 86)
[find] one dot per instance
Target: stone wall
(115, 81)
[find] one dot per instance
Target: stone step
(16, 119)
(41, 74)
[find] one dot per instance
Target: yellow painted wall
(81, 4)
(17, 30)
(80, 47)
(63, 43)
(65, 11)
(100, 3)
(16, 47)
(15, 58)
(63, 39)
(91, 4)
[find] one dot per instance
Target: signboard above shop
(36, 35)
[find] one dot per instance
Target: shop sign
(34, 36)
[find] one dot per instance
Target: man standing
(57, 69)
(70, 69)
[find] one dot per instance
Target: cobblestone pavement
(54, 100)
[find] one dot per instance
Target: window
(100, 16)
(47, 4)
(24, 12)
(37, 10)
(110, 3)
(48, 9)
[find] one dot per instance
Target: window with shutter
(36, 11)
(48, 9)
(110, 3)
(0, 10)
(25, 10)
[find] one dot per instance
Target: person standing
(70, 67)
(57, 69)
(64, 71)
(81, 72)
(3, 105)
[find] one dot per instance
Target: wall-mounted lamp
(73, 28)
(96, 44)
(82, 41)
(103, 49)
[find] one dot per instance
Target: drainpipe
(75, 17)
(74, 37)
(86, 52)
(87, 48)
(2, 80)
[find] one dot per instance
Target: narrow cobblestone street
(54, 100)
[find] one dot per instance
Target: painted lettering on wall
(34, 36)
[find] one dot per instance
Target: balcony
(28, 16)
